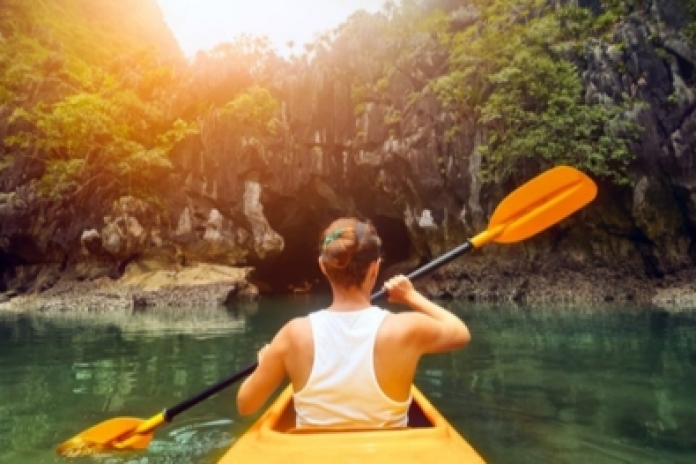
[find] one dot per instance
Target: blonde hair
(348, 248)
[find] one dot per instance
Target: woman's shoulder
(296, 334)
(407, 323)
(399, 323)
(298, 326)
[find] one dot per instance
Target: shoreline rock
(501, 282)
(196, 286)
(206, 285)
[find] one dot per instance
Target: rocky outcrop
(193, 286)
(650, 62)
(144, 285)
(235, 200)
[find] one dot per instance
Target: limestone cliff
(394, 158)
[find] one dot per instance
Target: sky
(203, 24)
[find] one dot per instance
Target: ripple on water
(195, 442)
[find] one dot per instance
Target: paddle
(531, 208)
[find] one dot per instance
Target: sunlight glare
(203, 24)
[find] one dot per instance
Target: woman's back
(342, 387)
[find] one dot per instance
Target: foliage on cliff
(93, 107)
(690, 28)
(90, 103)
(69, 39)
(100, 98)
(507, 67)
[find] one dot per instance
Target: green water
(536, 385)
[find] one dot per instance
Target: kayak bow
(428, 438)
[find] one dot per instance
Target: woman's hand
(400, 289)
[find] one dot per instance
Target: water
(536, 385)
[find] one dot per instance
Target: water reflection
(572, 385)
(560, 385)
(64, 372)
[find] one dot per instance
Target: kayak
(273, 439)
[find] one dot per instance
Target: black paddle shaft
(172, 412)
(432, 265)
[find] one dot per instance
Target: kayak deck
(272, 439)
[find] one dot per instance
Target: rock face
(235, 201)
(657, 67)
(144, 285)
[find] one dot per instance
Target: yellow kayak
(273, 439)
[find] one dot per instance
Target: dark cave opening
(682, 198)
(296, 266)
(396, 243)
(21, 251)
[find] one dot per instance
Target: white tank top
(342, 389)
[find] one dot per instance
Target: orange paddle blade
(540, 203)
(108, 435)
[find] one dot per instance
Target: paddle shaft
(432, 265)
(172, 412)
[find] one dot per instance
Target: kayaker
(352, 364)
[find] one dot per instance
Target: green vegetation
(511, 74)
(87, 99)
(254, 111)
(97, 137)
(690, 29)
(94, 108)
(67, 40)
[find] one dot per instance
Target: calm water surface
(536, 385)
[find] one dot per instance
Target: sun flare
(203, 24)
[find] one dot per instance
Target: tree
(87, 137)
(253, 112)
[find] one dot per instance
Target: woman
(352, 364)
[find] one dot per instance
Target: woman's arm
(431, 326)
(267, 377)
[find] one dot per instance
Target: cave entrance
(295, 268)
(396, 243)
